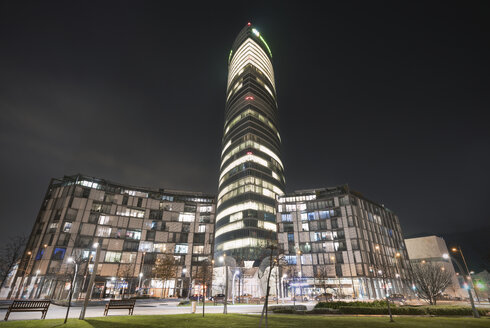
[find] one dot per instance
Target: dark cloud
(388, 97)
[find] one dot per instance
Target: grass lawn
(245, 321)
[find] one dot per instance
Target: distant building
(134, 227)
(432, 249)
(336, 238)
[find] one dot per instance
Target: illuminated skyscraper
(251, 173)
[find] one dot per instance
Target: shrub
(286, 308)
(336, 305)
(453, 310)
(324, 311)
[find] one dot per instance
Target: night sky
(391, 98)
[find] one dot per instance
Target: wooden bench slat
(28, 306)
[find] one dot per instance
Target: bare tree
(164, 269)
(430, 281)
(322, 276)
(10, 255)
(126, 273)
(275, 258)
(204, 275)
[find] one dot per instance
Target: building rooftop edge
(74, 177)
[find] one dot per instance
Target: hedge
(286, 308)
(336, 305)
(412, 310)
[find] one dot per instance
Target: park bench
(120, 304)
(28, 306)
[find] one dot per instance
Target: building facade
(251, 171)
(333, 239)
(433, 249)
(134, 227)
(337, 241)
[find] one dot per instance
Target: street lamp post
(184, 270)
(284, 276)
(23, 281)
(222, 259)
(31, 293)
(233, 286)
(458, 250)
(88, 294)
(72, 285)
(385, 287)
(300, 275)
(475, 312)
(139, 282)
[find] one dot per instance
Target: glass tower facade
(251, 171)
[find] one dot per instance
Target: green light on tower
(266, 45)
(229, 57)
(257, 33)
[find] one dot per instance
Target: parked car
(219, 298)
(324, 297)
(297, 298)
(195, 297)
(397, 298)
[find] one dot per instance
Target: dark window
(59, 253)
(84, 242)
(125, 200)
(140, 202)
(156, 214)
(150, 235)
(199, 238)
(93, 218)
(131, 246)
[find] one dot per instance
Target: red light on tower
(249, 24)
(249, 98)
(249, 153)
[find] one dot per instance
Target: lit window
(113, 257)
(305, 227)
(133, 234)
(202, 228)
(159, 247)
(286, 217)
(103, 231)
(291, 259)
(187, 217)
(146, 246)
(181, 248)
(198, 250)
(104, 219)
(204, 209)
(67, 227)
